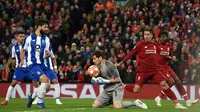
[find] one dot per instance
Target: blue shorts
(20, 73)
(36, 71)
(51, 74)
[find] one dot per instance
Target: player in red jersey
(163, 55)
(147, 66)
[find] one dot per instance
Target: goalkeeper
(113, 89)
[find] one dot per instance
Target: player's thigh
(13, 83)
(19, 74)
(172, 73)
(118, 94)
(140, 79)
(102, 99)
(52, 76)
(160, 80)
(166, 76)
(38, 74)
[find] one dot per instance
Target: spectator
(194, 77)
(186, 78)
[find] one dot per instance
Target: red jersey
(146, 57)
(162, 52)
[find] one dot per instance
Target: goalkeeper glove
(101, 80)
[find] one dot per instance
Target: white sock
(41, 92)
(34, 95)
(159, 97)
(39, 100)
(57, 90)
(9, 92)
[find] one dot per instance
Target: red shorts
(141, 78)
(165, 74)
(171, 72)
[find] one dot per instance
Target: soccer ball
(93, 71)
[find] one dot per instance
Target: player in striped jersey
(37, 46)
(19, 73)
(51, 71)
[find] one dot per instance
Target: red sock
(182, 91)
(162, 94)
(171, 95)
(129, 88)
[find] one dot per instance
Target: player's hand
(56, 71)
(21, 64)
(168, 57)
(101, 80)
(48, 53)
(118, 64)
(94, 80)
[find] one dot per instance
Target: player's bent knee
(13, 83)
(117, 104)
(164, 85)
(177, 81)
(136, 88)
(55, 81)
(171, 81)
(96, 104)
(43, 78)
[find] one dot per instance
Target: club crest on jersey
(38, 72)
(43, 41)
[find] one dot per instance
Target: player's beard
(42, 32)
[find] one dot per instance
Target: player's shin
(171, 95)
(57, 90)
(162, 94)
(57, 93)
(182, 91)
(41, 92)
(9, 93)
(126, 104)
(34, 95)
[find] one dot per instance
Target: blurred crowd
(79, 27)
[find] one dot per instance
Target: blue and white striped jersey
(15, 53)
(48, 61)
(35, 47)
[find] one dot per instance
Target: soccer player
(145, 51)
(164, 53)
(113, 88)
(19, 73)
(37, 45)
(51, 67)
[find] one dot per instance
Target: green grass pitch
(84, 105)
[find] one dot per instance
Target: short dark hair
(19, 31)
(163, 33)
(98, 54)
(40, 22)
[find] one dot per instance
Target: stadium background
(79, 27)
